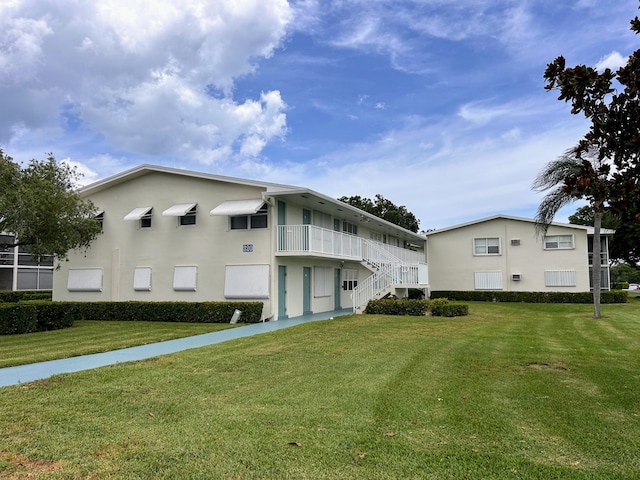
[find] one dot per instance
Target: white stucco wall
(452, 262)
(210, 244)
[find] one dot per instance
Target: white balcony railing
(311, 239)
(391, 265)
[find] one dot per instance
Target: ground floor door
(306, 290)
(336, 289)
(282, 291)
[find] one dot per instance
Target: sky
(437, 105)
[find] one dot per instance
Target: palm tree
(570, 178)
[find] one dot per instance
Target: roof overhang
(589, 230)
(317, 201)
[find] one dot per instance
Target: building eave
(589, 230)
(146, 169)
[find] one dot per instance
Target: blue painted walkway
(42, 370)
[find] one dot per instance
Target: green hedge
(18, 318)
(452, 310)
(51, 315)
(29, 296)
(614, 296)
(404, 306)
(190, 312)
(398, 307)
(11, 296)
(36, 316)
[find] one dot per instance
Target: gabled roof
(589, 230)
(146, 169)
(303, 195)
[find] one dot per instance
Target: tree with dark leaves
(609, 174)
(385, 209)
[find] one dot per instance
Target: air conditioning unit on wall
(515, 242)
(516, 277)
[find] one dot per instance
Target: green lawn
(87, 337)
(513, 391)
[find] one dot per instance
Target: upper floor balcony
(310, 240)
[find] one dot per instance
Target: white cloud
(137, 73)
(613, 61)
(476, 113)
(481, 112)
(86, 174)
(445, 172)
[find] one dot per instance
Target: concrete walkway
(38, 371)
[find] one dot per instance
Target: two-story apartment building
(177, 235)
(506, 253)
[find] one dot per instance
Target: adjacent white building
(177, 235)
(19, 270)
(506, 253)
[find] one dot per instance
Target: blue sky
(435, 104)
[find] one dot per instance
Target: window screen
(486, 246)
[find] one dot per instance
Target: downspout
(272, 261)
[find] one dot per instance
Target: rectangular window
(35, 279)
(239, 223)
(558, 242)
(26, 259)
(100, 218)
(322, 282)
(323, 220)
(486, 246)
(560, 278)
(186, 213)
(349, 279)
(487, 280)
(604, 251)
(142, 215)
(350, 228)
(604, 278)
(145, 220)
(250, 222)
(6, 250)
(189, 218)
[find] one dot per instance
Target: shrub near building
(439, 307)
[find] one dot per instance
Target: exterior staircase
(389, 272)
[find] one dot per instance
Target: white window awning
(238, 207)
(178, 210)
(137, 213)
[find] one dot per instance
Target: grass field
(88, 337)
(513, 391)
